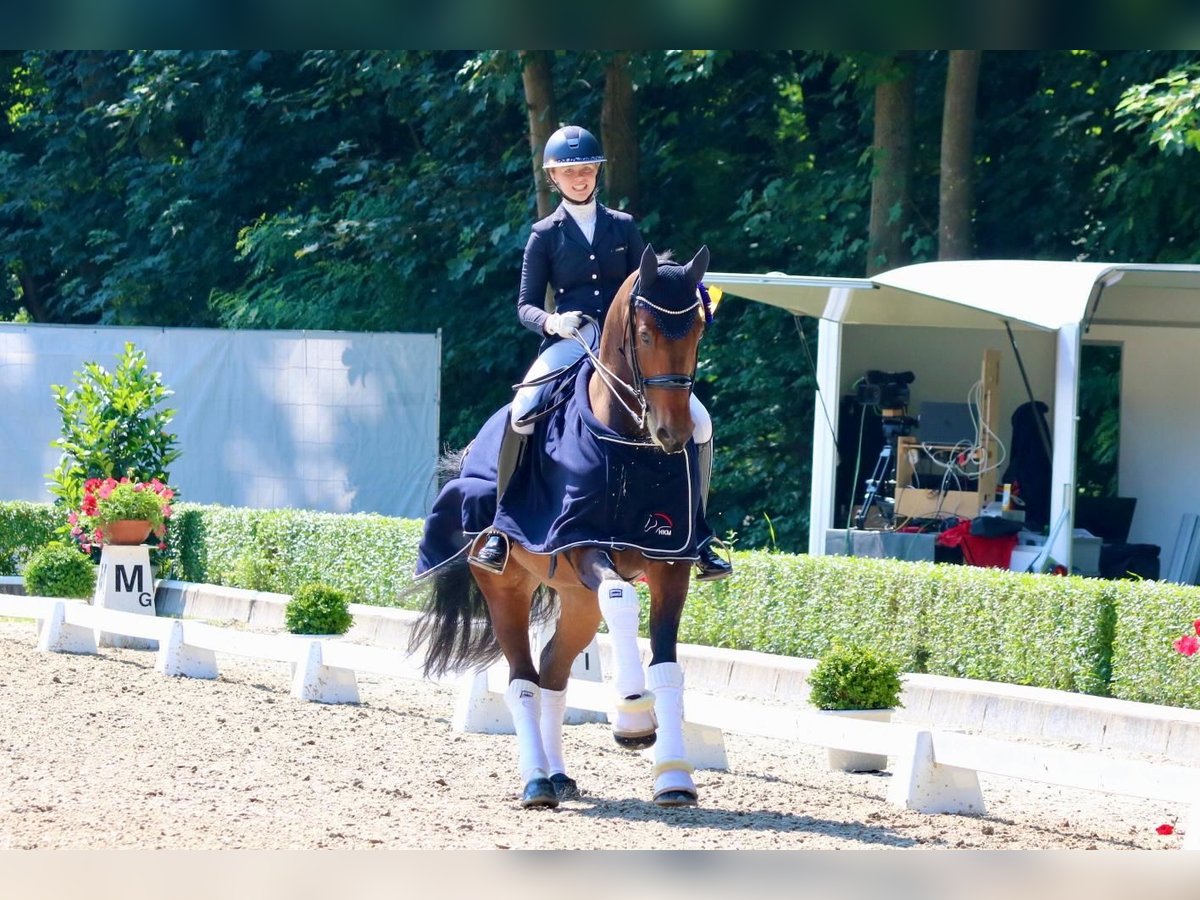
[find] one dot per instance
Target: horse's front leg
(634, 724)
(673, 784)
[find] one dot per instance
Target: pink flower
(1165, 829)
(1187, 645)
(1196, 626)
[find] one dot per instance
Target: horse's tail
(454, 630)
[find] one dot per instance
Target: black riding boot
(710, 566)
(493, 555)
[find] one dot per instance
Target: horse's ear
(698, 266)
(648, 270)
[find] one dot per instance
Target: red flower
(1165, 829)
(1187, 645)
(1196, 626)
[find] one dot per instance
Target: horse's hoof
(635, 741)
(565, 787)
(539, 792)
(675, 798)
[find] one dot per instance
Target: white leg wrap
(554, 707)
(524, 702)
(619, 605)
(672, 771)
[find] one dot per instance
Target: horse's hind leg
(578, 620)
(509, 598)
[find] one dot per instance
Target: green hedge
(370, 557)
(1110, 638)
(24, 527)
(945, 620)
(1150, 615)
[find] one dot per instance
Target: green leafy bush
(59, 570)
(24, 527)
(854, 677)
(318, 609)
(112, 426)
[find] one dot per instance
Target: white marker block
(125, 582)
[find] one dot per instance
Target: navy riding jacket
(585, 277)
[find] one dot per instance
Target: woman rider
(583, 251)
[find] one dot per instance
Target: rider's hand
(564, 324)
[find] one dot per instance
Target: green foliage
(1168, 107)
(59, 570)
(113, 425)
(24, 527)
(1146, 668)
(318, 609)
(1107, 638)
(959, 621)
(371, 557)
(127, 502)
(848, 676)
(391, 190)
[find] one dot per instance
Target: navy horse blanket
(580, 484)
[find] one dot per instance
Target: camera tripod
(895, 424)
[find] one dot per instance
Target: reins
(672, 381)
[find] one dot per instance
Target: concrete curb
(991, 708)
(999, 710)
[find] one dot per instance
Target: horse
(633, 415)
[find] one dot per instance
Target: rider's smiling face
(576, 182)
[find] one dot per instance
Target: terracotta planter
(127, 532)
(851, 760)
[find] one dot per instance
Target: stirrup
(714, 568)
(489, 557)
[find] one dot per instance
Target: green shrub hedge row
(1110, 638)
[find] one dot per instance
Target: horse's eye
(644, 337)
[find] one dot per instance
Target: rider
(583, 251)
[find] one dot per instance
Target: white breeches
(565, 352)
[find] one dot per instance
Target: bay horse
(633, 416)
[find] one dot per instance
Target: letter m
(127, 582)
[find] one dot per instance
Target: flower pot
(127, 532)
(852, 760)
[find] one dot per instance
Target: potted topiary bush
(856, 681)
(318, 608)
(59, 570)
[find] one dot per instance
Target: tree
(537, 77)
(618, 134)
(892, 158)
(958, 124)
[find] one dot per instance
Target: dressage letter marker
(125, 582)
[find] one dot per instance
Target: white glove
(564, 324)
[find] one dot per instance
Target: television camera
(887, 391)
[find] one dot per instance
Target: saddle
(583, 485)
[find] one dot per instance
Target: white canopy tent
(936, 317)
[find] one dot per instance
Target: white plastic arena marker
(920, 784)
(175, 658)
(58, 636)
(313, 680)
(478, 709)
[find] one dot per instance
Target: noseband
(671, 382)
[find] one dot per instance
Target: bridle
(676, 381)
